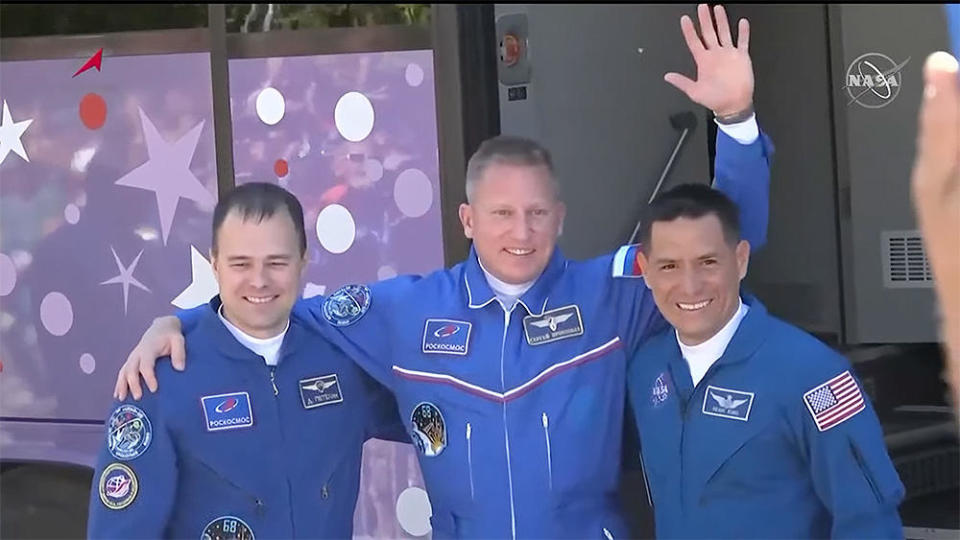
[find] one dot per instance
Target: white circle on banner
(87, 363)
(373, 169)
(8, 274)
(71, 213)
(270, 106)
(414, 74)
(336, 229)
(354, 116)
(386, 272)
(413, 193)
(56, 313)
(414, 511)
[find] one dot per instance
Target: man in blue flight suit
(240, 445)
(750, 427)
(509, 368)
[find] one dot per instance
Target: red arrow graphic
(93, 62)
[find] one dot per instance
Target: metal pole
(220, 79)
(685, 121)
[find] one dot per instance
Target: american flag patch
(626, 263)
(834, 401)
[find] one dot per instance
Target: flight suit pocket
(206, 480)
(446, 523)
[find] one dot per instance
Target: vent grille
(905, 262)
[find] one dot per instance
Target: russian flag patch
(625, 262)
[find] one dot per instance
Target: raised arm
(725, 85)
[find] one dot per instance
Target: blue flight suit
(234, 448)
(777, 440)
(518, 414)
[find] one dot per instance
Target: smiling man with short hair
(750, 427)
(239, 446)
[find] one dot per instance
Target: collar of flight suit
(479, 293)
(212, 328)
(751, 333)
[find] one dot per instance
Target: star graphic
(125, 277)
(167, 172)
(10, 133)
(203, 285)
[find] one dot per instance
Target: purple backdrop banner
(107, 185)
(354, 136)
(106, 181)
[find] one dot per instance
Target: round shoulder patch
(227, 528)
(128, 432)
(346, 305)
(118, 486)
(429, 429)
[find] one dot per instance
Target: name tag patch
(227, 411)
(727, 403)
(446, 336)
(553, 325)
(319, 391)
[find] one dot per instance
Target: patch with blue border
(129, 432)
(553, 325)
(446, 336)
(727, 403)
(347, 305)
(227, 411)
(320, 391)
(227, 528)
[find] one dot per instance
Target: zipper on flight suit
(273, 381)
(866, 471)
(546, 436)
(470, 459)
(506, 434)
(276, 402)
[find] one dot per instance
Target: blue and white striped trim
(624, 262)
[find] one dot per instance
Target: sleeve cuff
(745, 132)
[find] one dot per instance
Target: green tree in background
(265, 17)
(21, 20)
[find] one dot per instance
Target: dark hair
(259, 201)
(692, 201)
